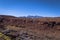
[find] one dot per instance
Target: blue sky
(49, 8)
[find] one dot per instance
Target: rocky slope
(21, 28)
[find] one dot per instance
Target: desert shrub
(58, 23)
(45, 23)
(2, 27)
(1, 19)
(4, 36)
(52, 24)
(21, 26)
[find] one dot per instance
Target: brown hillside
(40, 28)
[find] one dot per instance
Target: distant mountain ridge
(29, 16)
(34, 16)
